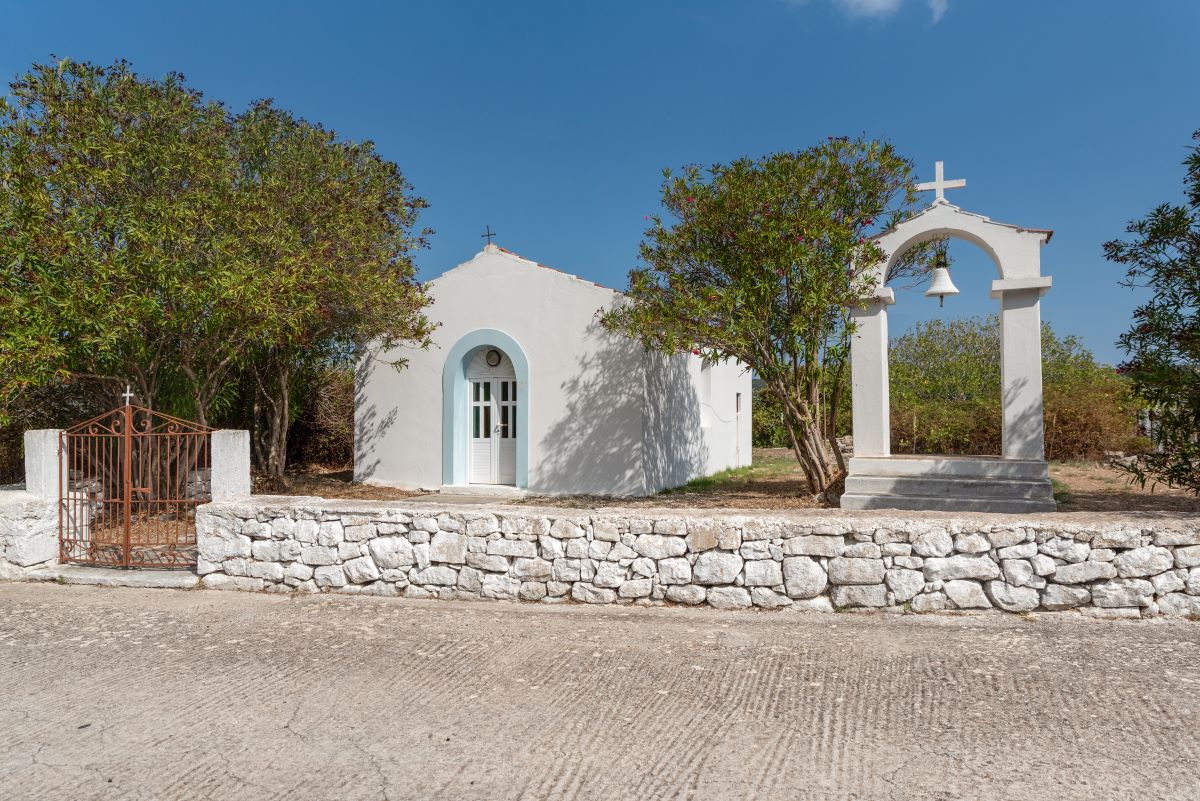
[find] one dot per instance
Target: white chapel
(523, 390)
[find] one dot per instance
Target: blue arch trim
(454, 403)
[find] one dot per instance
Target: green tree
(761, 260)
(329, 226)
(152, 237)
(1163, 344)
(114, 193)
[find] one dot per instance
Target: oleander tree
(762, 260)
(331, 228)
(114, 192)
(152, 237)
(1162, 256)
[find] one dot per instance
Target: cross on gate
(127, 395)
(939, 184)
(488, 234)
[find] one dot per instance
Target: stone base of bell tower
(949, 484)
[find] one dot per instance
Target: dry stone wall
(1116, 568)
(28, 534)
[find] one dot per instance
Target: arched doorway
(485, 412)
(876, 480)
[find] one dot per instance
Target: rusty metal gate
(129, 484)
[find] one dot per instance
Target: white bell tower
(1016, 481)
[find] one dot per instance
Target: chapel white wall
(584, 401)
(708, 435)
(732, 432)
(605, 416)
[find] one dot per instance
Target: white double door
(492, 420)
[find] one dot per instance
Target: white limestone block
(904, 584)
(763, 573)
(966, 594)
(803, 577)
(716, 567)
(728, 598)
(1149, 560)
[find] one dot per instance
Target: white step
(961, 466)
(118, 577)
(946, 504)
(938, 486)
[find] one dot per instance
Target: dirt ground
(165, 694)
(1102, 488)
(331, 483)
(775, 482)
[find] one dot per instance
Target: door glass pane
(504, 391)
(475, 387)
(512, 432)
(487, 421)
(514, 391)
(475, 409)
(504, 422)
(487, 390)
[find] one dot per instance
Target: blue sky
(551, 121)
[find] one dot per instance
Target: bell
(941, 285)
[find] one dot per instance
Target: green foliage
(770, 430)
(1163, 344)
(945, 393)
(707, 483)
(761, 260)
(152, 237)
(330, 226)
(114, 199)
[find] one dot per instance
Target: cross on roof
(939, 184)
(127, 395)
(488, 234)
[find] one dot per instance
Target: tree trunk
(272, 412)
(808, 439)
(835, 398)
(201, 409)
(277, 450)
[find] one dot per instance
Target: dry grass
(335, 482)
(1090, 487)
(774, 481)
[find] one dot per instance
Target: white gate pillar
(1021, 366)
(44, 473)
(230, 477)
(869, 376)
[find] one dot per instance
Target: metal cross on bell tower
(487, 234)
(939, 184)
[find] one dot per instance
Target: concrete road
(162, 694)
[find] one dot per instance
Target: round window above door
(494, 357)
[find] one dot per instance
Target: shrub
(945, 393)
(945, 383)
(57, 405)
(323, 431)
(770, 431)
